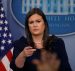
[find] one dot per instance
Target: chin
(36, 34)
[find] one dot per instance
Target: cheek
(30, 27)
(42, 27)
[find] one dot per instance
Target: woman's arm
(18, 48)
(65, 66)
(21, 51)
(21, 58)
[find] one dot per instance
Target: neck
(37, 38)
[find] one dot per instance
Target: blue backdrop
(17, 31)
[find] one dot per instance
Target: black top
(20, 44)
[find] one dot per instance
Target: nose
(35, 24)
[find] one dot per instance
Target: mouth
(35, 29)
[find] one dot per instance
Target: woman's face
(36, 24)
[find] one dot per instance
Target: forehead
(35, 16)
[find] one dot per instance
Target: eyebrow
(35, 20)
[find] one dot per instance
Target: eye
(38, 21)
(31, 22)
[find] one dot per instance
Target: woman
(27, 50)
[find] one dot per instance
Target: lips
(35, 29)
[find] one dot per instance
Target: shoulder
(54, 38)
(21, 41)
(19, 45)
(55, 42)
